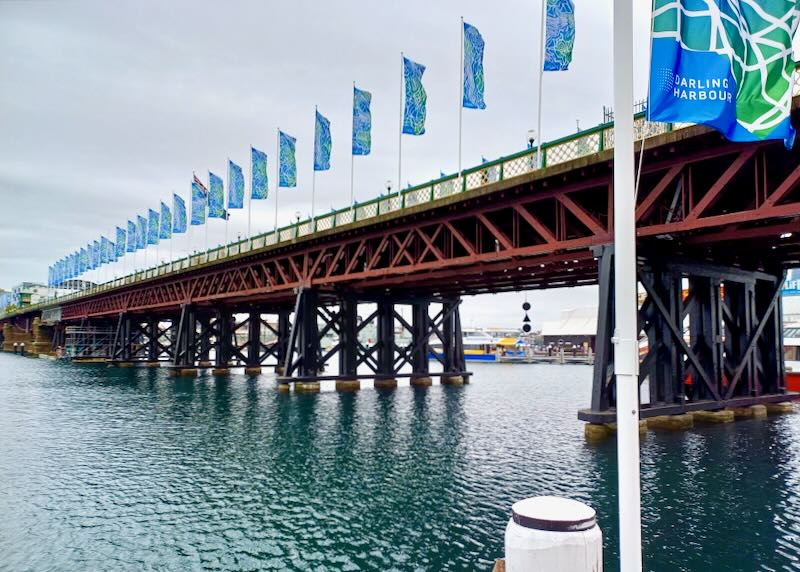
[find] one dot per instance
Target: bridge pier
(714, 338)
(319, 317)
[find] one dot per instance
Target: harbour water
(128, 469)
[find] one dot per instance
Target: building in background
(576, 328)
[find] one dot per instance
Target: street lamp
(531, 138)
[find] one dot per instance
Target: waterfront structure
(716, 223)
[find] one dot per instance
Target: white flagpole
(277, 175)
(207, 219)
(228, 211)
(539, 161)
(352, 155)
(250, 198)
(314, 171)
(460, 96)
(400, 134)
(626, 364)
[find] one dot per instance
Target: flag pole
(626, 364)
(542, 40)
(352, 156)
(314, 172)
(400, 134)
(277, 177)
(460, 96)
(250, 198)
(227, 212)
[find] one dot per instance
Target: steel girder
(531, 231)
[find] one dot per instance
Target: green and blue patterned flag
(179, 211)
(141, 232)
(120, 242)
(473, 68)
(216, 197)
(199, 202)
(322, 142)
(50, 275)
(416, 98)
(165, 223)
(235, 186)
(258, 167)
(132, 237)
(104, 249)
(287, 168)
(727, 64)
(112, 252)
(152, 226)
(96, 257)
(84, 261)
(560, 36)
(362, 122)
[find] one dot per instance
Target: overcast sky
(106, 108)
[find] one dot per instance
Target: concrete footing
(671, 422)
(152, 364)
(279, 370)
(778, 408)
(252, 371)
(348, 385)
(422, 381)
(306, 387)
(595, 432)
(284, 388)
(752, 412)
(220, 371)
(722, 416)
(187, 372)
(204, 364)
(453, 380)
(385, 384)
(124, 364)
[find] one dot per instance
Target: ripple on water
(131, 470)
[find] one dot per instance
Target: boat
(481, 345)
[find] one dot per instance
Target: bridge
(717, 223)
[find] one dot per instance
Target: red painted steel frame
(698, 194)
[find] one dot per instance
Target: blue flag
(473, 68)
(96, 254)
(288, 166)
(322, 142)
(132, 238)
(152, 226)
(84, 261)
(141, 232)
(416, 98)
(560, 36)
(112, 252)
(724, 63)
(50, 280)
(104, 248)
(258, 166)
(179, 210)
(120, 242)
(362, 122)
(216, 197)
(235, 186)
(165, 226)
(199, 202)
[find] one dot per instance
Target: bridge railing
(575, 146)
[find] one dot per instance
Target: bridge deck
(505, 225)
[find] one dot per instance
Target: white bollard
(549, 534)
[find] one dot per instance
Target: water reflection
(129, 469)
